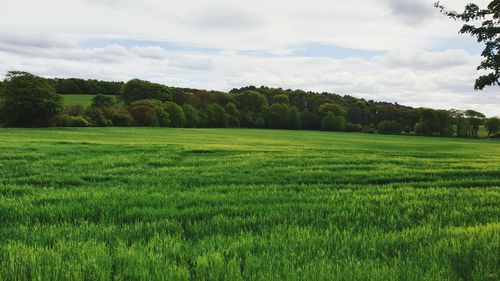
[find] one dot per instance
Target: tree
(336, 109)
(475, 119)
(281, 116)
(493, 126)
(224, 99)
(389, 127)
(193, 100)
(251, 101)
(461, 124)
(179, 96)
(119, 116)
(233, 115)
(331, 122)
(281, 99)
(192, 116)
(176, 114)
(358, 113)
(311, 120)
(387, 111)
(29, 100)
(276, 116)
(216, 116)
(333, 117)
(2, 107)
(201, 99)
(102, 101)
(96, 115)
(149, 113)
(203, 118)
(136, 89)
(86, 87)
(250, 104)
(294, 118)
(445, 127)
(434, 122)
(68, 86)
(488, 32)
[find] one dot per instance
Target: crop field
(227, 204)
(84, 100)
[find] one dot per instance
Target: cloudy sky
(387, 50)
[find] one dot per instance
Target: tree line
(27, 100)
(77, 86)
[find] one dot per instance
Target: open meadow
(235, 204)
(83, 100)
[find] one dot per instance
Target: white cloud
(411, 12)
(224, 16)
(246, 25)
(150, 52)
(254, 43)
(424, 60)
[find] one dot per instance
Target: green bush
(149, 113)
(492, 125)
(65, 120)
(103, 101)
(407, 129)
(97, 117)
(79, 121)
(60, 120)
(143, 115)
(370, 129)
(333, 123)
(119, 116)
(74, 109)
(389, 127)
(350, 127)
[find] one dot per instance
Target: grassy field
(223, 204)
(84, 100)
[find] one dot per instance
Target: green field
(84, 100)
(224, 204)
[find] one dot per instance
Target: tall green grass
(224, 204)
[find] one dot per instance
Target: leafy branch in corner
(486, 31)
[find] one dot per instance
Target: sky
(385, 50)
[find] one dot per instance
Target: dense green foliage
(487, 32)
(436, 122)
(389, 127)
(28, 100)
(76, 86)
(136, 89)
(224, 204)
(492, 125)
(142, 103)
